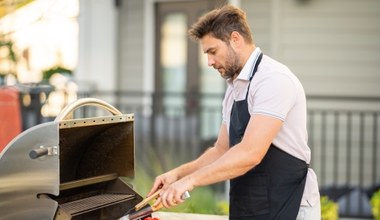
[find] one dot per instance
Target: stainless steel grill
(70, 168)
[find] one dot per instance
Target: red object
(10, 115)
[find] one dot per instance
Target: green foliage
(375, 204)
(9, 55)
(223, 207)
(329, 209)
(9, 45)
(7, 7)
(46, 74)
(203, 201)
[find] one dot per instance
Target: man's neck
(247, 53)
(244, 57)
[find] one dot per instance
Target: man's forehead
(208, 43)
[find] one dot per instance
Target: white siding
(131, 45)
(333, 46)
(259, 16)
(97, 44)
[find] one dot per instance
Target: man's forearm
(208, 157)
(232, 164)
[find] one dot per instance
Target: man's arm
(258, 136)
(220, 147)
(209, 156)
(239, 159)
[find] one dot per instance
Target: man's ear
(235, 39)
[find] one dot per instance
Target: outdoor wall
(131, 45)
(97, 59)
(331, 45)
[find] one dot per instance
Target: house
(135, 54)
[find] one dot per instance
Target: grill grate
(94, 202)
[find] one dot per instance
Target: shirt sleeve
(274, 96)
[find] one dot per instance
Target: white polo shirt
(275, 91)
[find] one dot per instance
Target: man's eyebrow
(208, 50)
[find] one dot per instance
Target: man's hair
(220, 23)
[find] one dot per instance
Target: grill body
(22, 179)
(70, 168)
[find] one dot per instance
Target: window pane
(173, 58)
(212, 85)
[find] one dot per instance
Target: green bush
(375, 204)
(203, 201)
(329, 209)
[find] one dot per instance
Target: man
(262, 143)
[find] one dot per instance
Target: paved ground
(186, 216)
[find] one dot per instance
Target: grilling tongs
(140, 212)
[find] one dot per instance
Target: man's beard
(232, 66)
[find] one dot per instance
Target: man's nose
(210, 61)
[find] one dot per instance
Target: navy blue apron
(274, 188)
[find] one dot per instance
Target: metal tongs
(143, 208)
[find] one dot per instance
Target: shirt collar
(246, 72)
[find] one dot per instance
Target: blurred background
(135, 55)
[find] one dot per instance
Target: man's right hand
(164, 180)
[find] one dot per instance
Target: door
(184, 84)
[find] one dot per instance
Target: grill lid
(96, 146)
